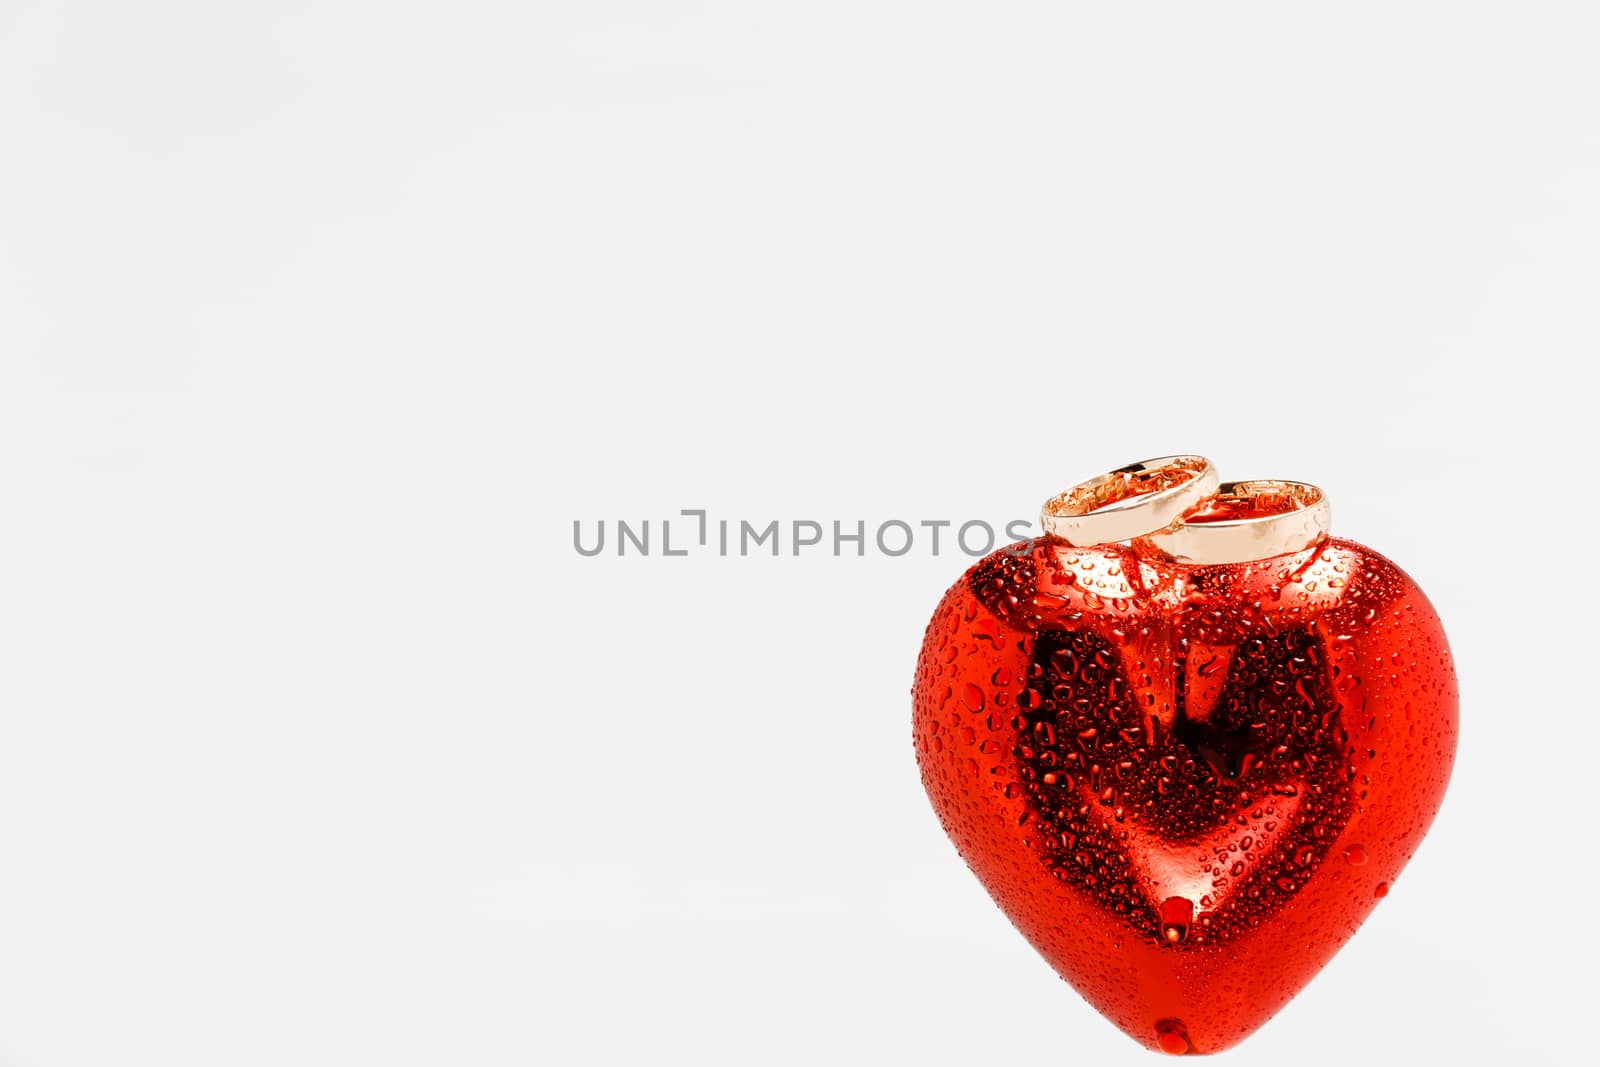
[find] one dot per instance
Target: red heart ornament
(1185, 785)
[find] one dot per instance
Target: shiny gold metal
(1247, 521)
(1130, 501)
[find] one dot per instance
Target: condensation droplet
(1172, 1037)
(1355, 856)
(1176, 915)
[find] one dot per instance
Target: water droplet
(1382, 890)
(1355, 856)
(1176, 915)
(1172, 1037)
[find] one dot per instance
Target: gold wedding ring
(1247, 521)
(1132, 501)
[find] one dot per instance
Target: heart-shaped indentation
(1228, 801)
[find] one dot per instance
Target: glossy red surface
(1186, 786)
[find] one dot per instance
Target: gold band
(1130, 501)
(1248, 521)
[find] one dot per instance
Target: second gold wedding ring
(1132, 501)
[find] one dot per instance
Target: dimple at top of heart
(1187, 766)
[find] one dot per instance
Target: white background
(321, 322)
